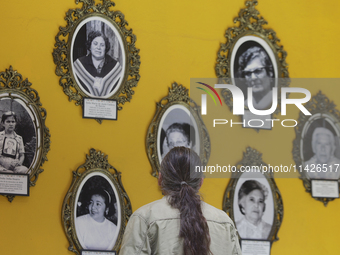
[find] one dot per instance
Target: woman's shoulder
(159, 209)
(266, 226)
(82, 220)
(111, 224)
(214, 214)
(17, 136)
(84, 60)
(109, 61)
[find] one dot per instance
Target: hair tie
(183, 183)
(109, 196)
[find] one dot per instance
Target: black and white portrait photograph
(177, 128)
(253, 207)
(253, 65)
(97, 213)
(320, 148)
(18, 138)
(98, 57)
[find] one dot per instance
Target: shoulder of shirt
(83, 218)
(85, 59)
(157, 210)
(161, 210)
(111, 62)
(213, 214)
(17, 136)
(2, 132)
(111, 224)
(108, 58)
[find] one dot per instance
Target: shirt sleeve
(21, 145)
(135, 239)
(235, 243)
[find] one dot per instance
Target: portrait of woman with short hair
(253, 67)
(98, 63)
(252, 197)
(96, 219)
(321, 150)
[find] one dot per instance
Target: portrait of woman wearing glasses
(255, 70)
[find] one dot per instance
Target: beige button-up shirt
(154, 229)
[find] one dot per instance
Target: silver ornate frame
(250, 23)
(62, 52)
(178, 94)
(13, 86)
(96, 162)
(319, 104)
(251, 157)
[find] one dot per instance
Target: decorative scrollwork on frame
(250, 25)
(324, 117)
(17, 95)
(177, 100)
(94, 176)
(76, 86)
(231, 200)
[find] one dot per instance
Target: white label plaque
(250, 247)
(325, 188)
(100, 109)
(14, 184)
(88, 252)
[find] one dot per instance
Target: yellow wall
(178, 40)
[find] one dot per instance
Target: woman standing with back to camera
(180, 223)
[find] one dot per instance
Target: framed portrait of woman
(96, 207)
(24, 138)
(253, 60)
(253, 200)
(99, 58)
(177, 122)
(316, 148)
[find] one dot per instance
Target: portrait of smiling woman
(96, 221)
(97, 59)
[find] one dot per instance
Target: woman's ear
(106, 211)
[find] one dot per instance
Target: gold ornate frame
(250, 23)
(62, 52)
(321, 107)
(251, 157)
(178, 95)
(12, 86)
(96, 162)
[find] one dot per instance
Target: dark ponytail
(182, 192)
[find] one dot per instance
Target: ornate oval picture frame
(96, 207)
(24, 138)
(177, 122)
(252, 57)
(95, 54)
(316, 148)
(251, 198)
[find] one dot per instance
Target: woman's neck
(9, 133)
(253, 221)
(96, 61)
